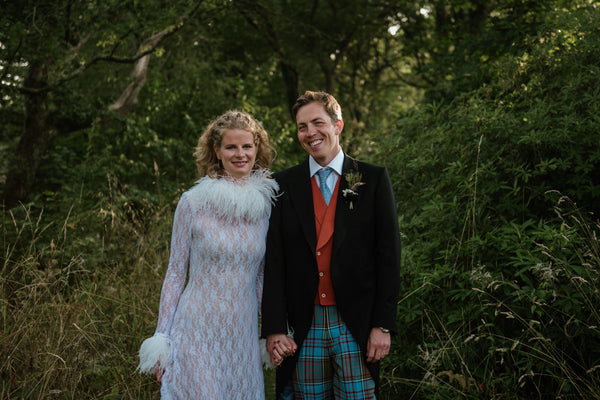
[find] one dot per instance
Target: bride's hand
(279, 347)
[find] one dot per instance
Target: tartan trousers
(330, 363)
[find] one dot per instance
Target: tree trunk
(129, 98)
(290, 80)
(35, 140)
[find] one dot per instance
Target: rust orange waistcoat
(324, 222)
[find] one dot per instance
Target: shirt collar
(336, 164)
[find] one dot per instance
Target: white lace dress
(207, 336)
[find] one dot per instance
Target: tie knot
(324, 173)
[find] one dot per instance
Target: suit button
(321, 274)
(323, 295)
(318, 253)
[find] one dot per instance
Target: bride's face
(237, 152)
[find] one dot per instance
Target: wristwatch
(384, 330)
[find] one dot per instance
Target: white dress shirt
(336, 165)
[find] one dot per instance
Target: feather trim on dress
(155, 352)
(233, 199)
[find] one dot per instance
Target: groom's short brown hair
(330, 104)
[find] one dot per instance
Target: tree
(343, 47)
(452, 43)
(56, 46)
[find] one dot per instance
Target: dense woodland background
(485, 112)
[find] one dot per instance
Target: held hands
(279, 347)
(378, 345)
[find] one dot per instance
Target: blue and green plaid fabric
(330, 364)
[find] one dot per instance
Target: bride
(206, 343)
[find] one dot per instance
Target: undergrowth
(77, 295)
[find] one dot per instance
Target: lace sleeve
(178, 265)
(260, 277)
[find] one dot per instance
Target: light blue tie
(325, 191)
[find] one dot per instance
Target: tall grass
(527, 329)
(77, 295)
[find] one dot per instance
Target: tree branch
(148, 47)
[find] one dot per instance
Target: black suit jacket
(365, 260)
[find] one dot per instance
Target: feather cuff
(264, 355)
(154, 352)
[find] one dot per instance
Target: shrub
(497, 192)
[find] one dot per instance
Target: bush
(498, 192)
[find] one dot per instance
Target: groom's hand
(378, 345)
(279, 347)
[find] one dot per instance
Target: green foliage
(529, 329)
(498, 192)
(492, 154)
(495, 172)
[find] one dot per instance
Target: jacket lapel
(342, 211)
(301, 197)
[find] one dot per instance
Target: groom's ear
(339, 126)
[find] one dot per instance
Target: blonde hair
(206, 159)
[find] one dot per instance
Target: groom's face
(318, 135)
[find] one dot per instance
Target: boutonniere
(353, 179)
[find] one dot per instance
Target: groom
(332, 265)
